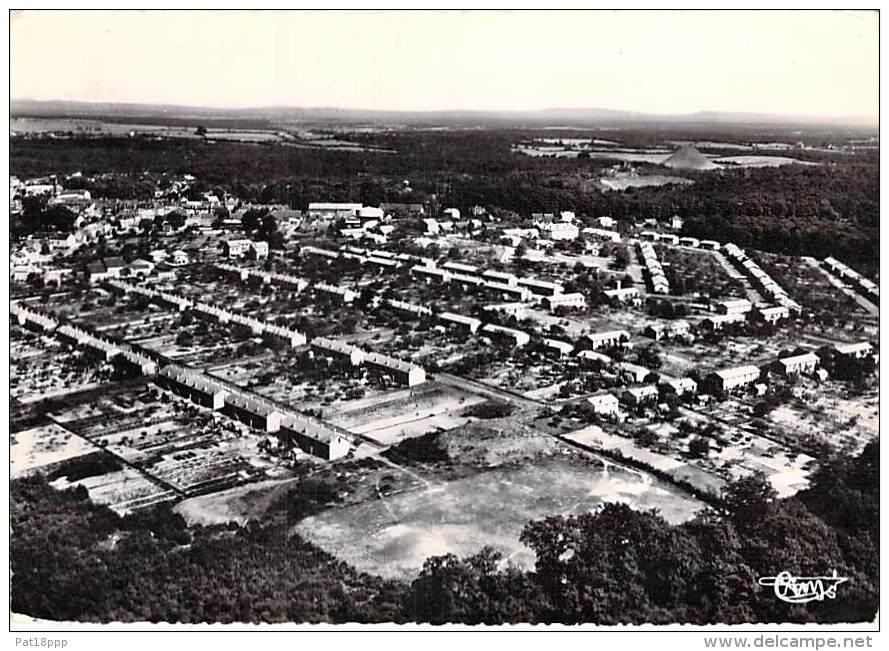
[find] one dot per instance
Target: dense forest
(73, 560)
(824, 209)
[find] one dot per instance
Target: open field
(393, 537)
(34, 449)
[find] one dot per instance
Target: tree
(699, 446)
(621, 259)
(201, 131)
(748, 500)
(252, 219)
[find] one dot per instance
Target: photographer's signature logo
(802, 589)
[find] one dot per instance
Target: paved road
(871, 309)
(488, 391)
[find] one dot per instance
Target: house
(141, 268)
(431, 273)
(339, 295)
(96, 272)
(432, 226)
(669, 238)
(608, 339)
(465, 323)
(383, 263)
(516, 309)
(710, 245)
(659, 284)
(59, 241)
(140, 363)
(604, 234)
(314, 250)
(460, 268)
(56, 275)
(636, 373)
(369, 214)
(732, 378)
(355, 233)
(772, 314)
(678, 386)
(280, 336)
(541, 287)
(194, 386)
(603, 404)
(634, 396)
(410, 209)
(314, 438)
(629, 295)
(179, 258)
(256, 413)
(571, 300)
(521, 294)
(648, 236)
(402, 372)
(338, 350)
(21, 273)
(607, 222)
(409, 308)
(734, 251)
(259, 250)
(237, 248)
(557, 348)
(858, 351)
(510, 336)
(692, 242)
(796, 364)
(466, 280)
(557, 231)
(321, 210)
(157, 255)
(500, 277)
(451, 214)
(590, 356)
(734, 306)
(114, 266)
(677, 328)
(26, 317)
(719, 321)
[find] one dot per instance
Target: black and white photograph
(438, 319)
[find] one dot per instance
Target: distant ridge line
(575, 116)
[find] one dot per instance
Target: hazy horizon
(806, 64)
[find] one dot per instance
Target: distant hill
(546, 117)
(688, 158)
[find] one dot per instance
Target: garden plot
(695, 271)
(827, 412)
(681, 358)
(41, 368)
(123, 491)
(41, 447)
(208, 467)
(811, 288)
(670, 464)
(184, 446)
(239, 504)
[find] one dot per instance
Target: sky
(819, 63)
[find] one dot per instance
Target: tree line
(74, 560)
